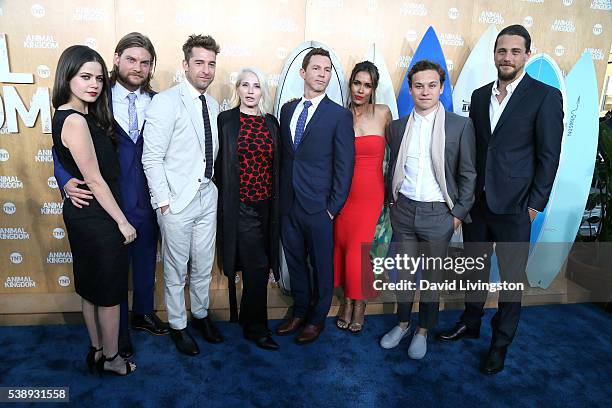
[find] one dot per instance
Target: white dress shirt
(213, 112)
(420, 183)
(121, 104)
(495, 108)
(298, 111)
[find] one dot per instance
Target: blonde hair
(265, 103)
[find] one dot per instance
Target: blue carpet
(560, 357)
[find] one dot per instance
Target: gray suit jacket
(173, 156)
(459, 161)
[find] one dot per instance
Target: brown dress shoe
(309, 334)
(289, 326)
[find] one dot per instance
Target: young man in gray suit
(430, 190)
(180, 146)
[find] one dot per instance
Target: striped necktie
(208, 147)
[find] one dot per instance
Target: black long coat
(227, 176)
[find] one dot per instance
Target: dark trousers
(420, 228)
(511, 232)
(252, 240)
(309, 237)
(142, 255)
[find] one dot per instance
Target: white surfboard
(573, 180)
(478, 70)
(385, 94)
(290, 86)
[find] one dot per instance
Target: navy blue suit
(315, 178)
(136, 205)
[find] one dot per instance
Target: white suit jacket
(173, 153)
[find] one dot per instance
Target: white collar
(315, 101)
(511, 87)
(195, 94)
(120, 92)
(429, 117)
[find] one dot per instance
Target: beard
(505, 75)
(132, 80)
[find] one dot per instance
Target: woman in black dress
(83, 138)
(248, 218)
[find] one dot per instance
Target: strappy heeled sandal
(347, 309)
(91, 358)
(102, 370)
(358, 317)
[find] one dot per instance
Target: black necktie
(208, 147)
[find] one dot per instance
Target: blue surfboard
(429, 48)
(558, 225)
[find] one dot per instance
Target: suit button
(199, 180)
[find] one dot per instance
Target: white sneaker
(418, 346)
(393, 337)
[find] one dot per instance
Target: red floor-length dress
(356, 223)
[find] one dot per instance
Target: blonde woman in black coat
(248, 218)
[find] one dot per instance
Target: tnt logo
(52, 182)
(559, 50)
(90, 42)
(63, 281)
(281, 53)
(16, 258)
(43, 71)
(4, 155)
(9, 208)
(597, 29)
(59, 233)
(453, 13)
(528, 21)
(410, 36)
(37, 11)
(568, 2)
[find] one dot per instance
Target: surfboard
(429, 48)
(559, 223)
(478, 70)
(291, 85)
(385, 94)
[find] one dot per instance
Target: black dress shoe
(208, 329)
(149, 322)
(126, 350)
(460, 331)
(184, 342)
(265, 342)
(494, 362)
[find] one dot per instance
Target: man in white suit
(180, 146)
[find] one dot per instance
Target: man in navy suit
(131, 93)
(519, 127)
(317, 159)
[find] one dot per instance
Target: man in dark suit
(317, 159)
(430, 190)
(519, 127)
(131, 93)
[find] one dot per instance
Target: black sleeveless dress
(100, 260)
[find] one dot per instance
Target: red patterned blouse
(255, 158)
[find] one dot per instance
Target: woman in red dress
(355, 226)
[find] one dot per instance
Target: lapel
(287, 123)
(194, 114)
(315, 117)
(514, 101)
(233, 130)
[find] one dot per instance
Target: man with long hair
(130, 95)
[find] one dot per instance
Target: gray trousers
(420, 229)
(189, 236)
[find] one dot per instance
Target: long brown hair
(68, 66)
(370, 68)
(133, 40)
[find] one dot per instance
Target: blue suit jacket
(319, 171)
(136, 200)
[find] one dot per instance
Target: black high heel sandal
(91, 358)
(101, 370)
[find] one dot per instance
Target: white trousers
(187, 235)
